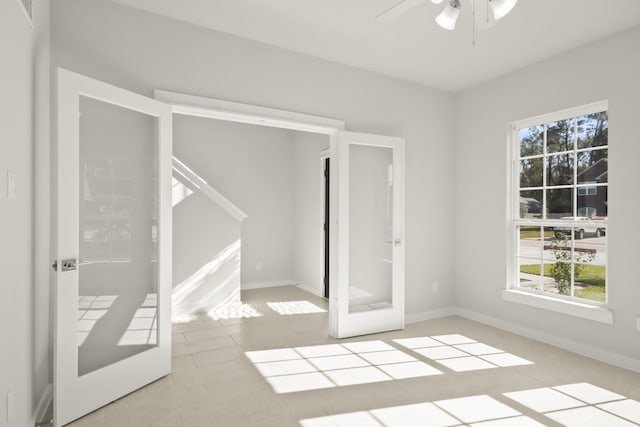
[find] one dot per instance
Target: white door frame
(197, 106)
(211, 108)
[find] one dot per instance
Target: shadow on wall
(206, 254)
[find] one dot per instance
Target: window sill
(571, 308)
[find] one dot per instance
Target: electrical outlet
(436, 287)
(10, 404)
(259, 266)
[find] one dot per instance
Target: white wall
(607, 69)
(308, 214)
(206, 257)
(141, 51)
(251, 166)
(23, 330)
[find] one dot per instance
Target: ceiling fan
(448, 17)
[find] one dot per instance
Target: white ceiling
(412, 47)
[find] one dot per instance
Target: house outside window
(559, 204)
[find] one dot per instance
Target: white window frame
(566, 304)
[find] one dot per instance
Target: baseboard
(43, 404)
(563, 343)
(315, 291)
(428, 315)
(260, 285)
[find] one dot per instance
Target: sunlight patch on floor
(580, 405)
(324, 366)
(286, 308)
(460, 353)
(243, 311)
(475, 411)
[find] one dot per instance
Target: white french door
(112, 331)
(367, 189)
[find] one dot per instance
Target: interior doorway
(326, 225)
(352, 194)
(271, 174)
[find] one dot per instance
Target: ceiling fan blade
(398, 10)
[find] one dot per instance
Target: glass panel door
(118, 278)
(370, 219)
(112, 331)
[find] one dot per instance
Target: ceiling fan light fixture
(447, 19)
(501, 7)
(436, 1)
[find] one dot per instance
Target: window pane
(550, 236)
(531, 204)
(529, 273)
(584, 256)
(593, 166)
(592, 202)
(593, 130)
(560, 136)
(558, 262)
(592, 169)
(529, 243)
(591, 282)
(590, 257)
(560, 169)
(531, 141)
(531, 173)
(557, 277)
(560, 203)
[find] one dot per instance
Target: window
(560, 208)
(588, 191)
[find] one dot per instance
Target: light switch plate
(12, 186)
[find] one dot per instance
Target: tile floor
(277, 366)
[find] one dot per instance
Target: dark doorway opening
(326, 226)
